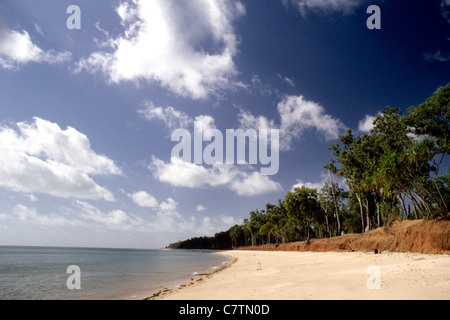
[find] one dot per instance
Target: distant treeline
(392, 173)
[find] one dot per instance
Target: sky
(91, 95)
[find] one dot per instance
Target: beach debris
(259, 268)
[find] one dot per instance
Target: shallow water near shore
(40, 273)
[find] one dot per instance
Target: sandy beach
(262, 275)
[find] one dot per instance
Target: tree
(237, 235)
(432, 119)
(300, 205)
(253, 225)
(355, 157)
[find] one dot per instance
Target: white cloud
(38, 29)
(204, 124)
(115, 219)
(144, 199)
(208, 226)
(298, 115)
(173, 118)
(325, 6)
(42, 158)
(249, 121)
(168, 219)
(179, 173)
(187, 47)
(311, 185)
(366, 124)
(82, 214)
(17, 49)
(185, 174)
(30, 215)
(200, 208)
(253, 184)
(326, 178)
(168, 205)
(32, 197)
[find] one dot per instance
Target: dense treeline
(392, 173)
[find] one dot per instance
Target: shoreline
(200, 277)
(283, 275)
(175, 282)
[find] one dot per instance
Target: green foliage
(432, 118)
(301, 206)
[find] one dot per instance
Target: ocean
(44, 273)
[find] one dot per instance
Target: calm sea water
(33, 273)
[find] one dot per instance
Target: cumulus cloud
(17, 49)
(179, 173)
(200, 208)
(253, 184)
(173, 118)
(187, 47)
(298, 115)
(325, 6)
(40, 157)
(311, 185)
(144, 199)
(366, 124)
(327, 178)
(168, 205)
(176, 119)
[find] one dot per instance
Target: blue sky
(86, 115)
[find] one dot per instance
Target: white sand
(260, 275)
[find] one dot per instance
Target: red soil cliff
(410, 235)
